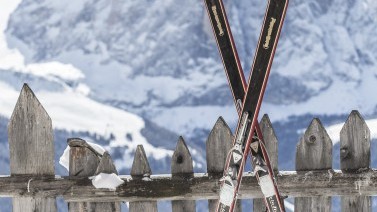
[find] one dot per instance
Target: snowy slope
(73, 111)
(159, 60)
(331, 49)
(58, 88)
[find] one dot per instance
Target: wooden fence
(34, 186)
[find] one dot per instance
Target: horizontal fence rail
(34, 186)
(197, 187)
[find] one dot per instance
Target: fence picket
(314, 152)
(84, 161)
(32, 163)
(271, 143)
(181, 166)
(140, 169)
(355, 156)
(218, 144)
(31, 148)
(106, 165)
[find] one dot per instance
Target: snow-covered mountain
(158, 58)
(150, 70)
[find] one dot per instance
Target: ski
(227, 50)
(245, 136)
(236, 79)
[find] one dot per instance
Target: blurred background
(123, 72)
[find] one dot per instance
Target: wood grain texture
(354, 143)
(31, 147)
(218, 145)
(315, 204)
(84, 161)
(181, 164)
(34, 204)
(352, 204)
(140, 165)
(355, 156)
(141, 170)
(271, 143)
(270, 140)
(314, 152)
(181, 160)
(106, 165)
(199, 186)
(30, 137)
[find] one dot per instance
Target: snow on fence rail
(34, 186)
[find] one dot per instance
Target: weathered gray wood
(271, 143)
(319, 204)
(351, 203)
(31, 147)
(106, 165)
(314, 152)
(78, 142)
(355, 143)
(140, 165)
(355, 156)
(181, 161)
(270, 140)
(35, 204)
(218, 145)
(181, 164)
(84, 161)
(201, 186)
(141, 170)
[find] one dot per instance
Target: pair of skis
(248, 100)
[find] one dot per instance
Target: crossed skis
(248, 101)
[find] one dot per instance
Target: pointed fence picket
(30, 127)
(271, 143)
(313, 153)
(218, 145)
(181, 166)
(84, 161)
(355, 156)
(141, 171)
(34, 186)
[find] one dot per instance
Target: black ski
(235, 76)
(227, 50)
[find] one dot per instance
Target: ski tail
(272, 198)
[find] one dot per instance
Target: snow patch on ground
(109, 181)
